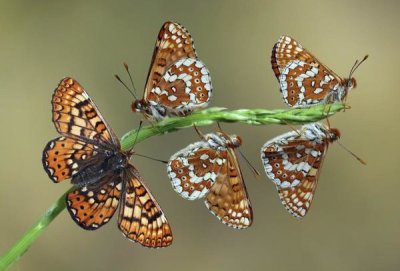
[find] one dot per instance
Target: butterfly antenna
(219, 127)
(253, 169)
(137, 134)
(291, 127)
(356, 65)
(123, 83)
(201, 135)
(152, 158)
(130, 76)
(352, 153)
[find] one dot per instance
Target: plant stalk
(201, 118)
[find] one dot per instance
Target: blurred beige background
(354, 223)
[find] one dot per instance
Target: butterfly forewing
(292, 161)
(141, 218)
(228, 199)
(64, 156)
(93, 206)
(287, 50)
(75, 114)
(174, 42)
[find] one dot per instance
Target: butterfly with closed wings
(209, 168)
(293, 161)
(177, 82)
(304, 80)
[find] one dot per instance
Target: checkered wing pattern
(302, 84)
(89, 154)
(303, 79)
(194, 169)
(185, 87)
(206, 169)
(228, 199)
(76, 115)
(287, 50)
(64, 156)
(292, 162)
(173, 43)
(93, 206)
(141, 218)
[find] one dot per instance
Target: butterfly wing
(63, 157)
(194, 169)
(303, 84)
(93, 206)
(185, 87)
(141, 218)
(293, 162)
(174, 42)
(76, 115)
(228, 199)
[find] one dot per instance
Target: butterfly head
(231, 141)
(333, 134)
(350, 82)
(139, 106)
(234, 141)
(118, 161)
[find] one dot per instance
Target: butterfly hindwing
(93, 206)
(194, 169)
(75, 114)
(302, 84)
(184, 87)
(63, 157)
(228, 199)
(141, 218)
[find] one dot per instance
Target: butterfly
(89, 153)
(177, 83)
(303, 79)
(210, 169)
(293, 161)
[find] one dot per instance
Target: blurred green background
(354, 223)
